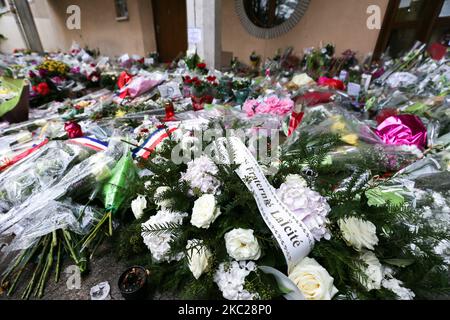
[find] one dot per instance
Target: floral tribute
(269, 105)
(202, 235)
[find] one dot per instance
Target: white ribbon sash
(294, 238)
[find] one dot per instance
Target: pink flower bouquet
(269, 105)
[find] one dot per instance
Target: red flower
(331, 83)
(437, 51)
(201, 65)
(211, 78)
(73, 130)
(188, 80)
(94, 77)
(42, 88)
(123, 80)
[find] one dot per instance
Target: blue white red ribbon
(155, 139)
(91, 143)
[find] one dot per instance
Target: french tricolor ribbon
(91, 143)
(22, 155)
(155, 139)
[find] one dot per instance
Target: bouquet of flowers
(269, 105)
(217, 228)
(48, 82)
(202, 90)
(53, 68)
(195, 64)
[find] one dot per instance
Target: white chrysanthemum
(230, 278)
(199, 175)
(159, 245)
(309, 205)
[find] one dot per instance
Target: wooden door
(408, 21)
(170, 27)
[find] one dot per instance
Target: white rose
(138, 206)
(242, 245)
(373, 271)
(359, 233)
(162, 204)
(205, 211)
(313, 280)
(198, 257)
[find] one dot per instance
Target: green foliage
(353, 189)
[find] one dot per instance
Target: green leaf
(13, 85)
(378, 197)
(417, 108)
(402, 263)
(286, 286)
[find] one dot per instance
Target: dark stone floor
(103, 267)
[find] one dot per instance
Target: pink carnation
(270, 105)
(250, 107)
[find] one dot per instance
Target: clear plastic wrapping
(41, 170)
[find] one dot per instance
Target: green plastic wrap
(119, 186)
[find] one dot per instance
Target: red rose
(201, 65)
(211, 78)
(42, 88)
(73, 130)
(187, 80)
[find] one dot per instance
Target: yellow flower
(350, 139)
(120, 114)
(338, 126)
